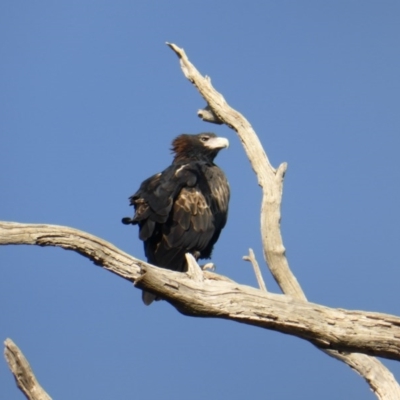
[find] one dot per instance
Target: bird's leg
(206, 267)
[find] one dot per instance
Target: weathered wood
(23, 374)
(207, 115)
(205, 294)
(269, 179)
(257, 271)
(210, 295)
(379, 378)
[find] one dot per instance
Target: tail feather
(148, 297)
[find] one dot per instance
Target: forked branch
(269, 178)
(380, 379)
(337, 332)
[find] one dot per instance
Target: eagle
(183, 208)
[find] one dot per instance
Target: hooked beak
(217, 143)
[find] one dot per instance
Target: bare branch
(216, 296)
(380, 379)
(205, 294)
(252, 258)
(23, 374)
(268, 178)
(207, 115)
(99, 251)
(194, 271)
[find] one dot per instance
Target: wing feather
(192, 221)
(183, 209)
(154, 200)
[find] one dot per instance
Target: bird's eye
(204, 138)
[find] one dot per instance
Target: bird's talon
(209, 267)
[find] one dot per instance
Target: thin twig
(252, 258)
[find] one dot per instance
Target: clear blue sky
(90, 99)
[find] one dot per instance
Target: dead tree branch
(205, 294)
(23, 374)
(269, 179)
(257, 271)
(380, 379)
(200, 293)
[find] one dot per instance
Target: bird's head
(201, 147)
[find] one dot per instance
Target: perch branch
(380, 379)
(23, 374)
(216, 296)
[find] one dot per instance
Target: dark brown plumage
(184, 208)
